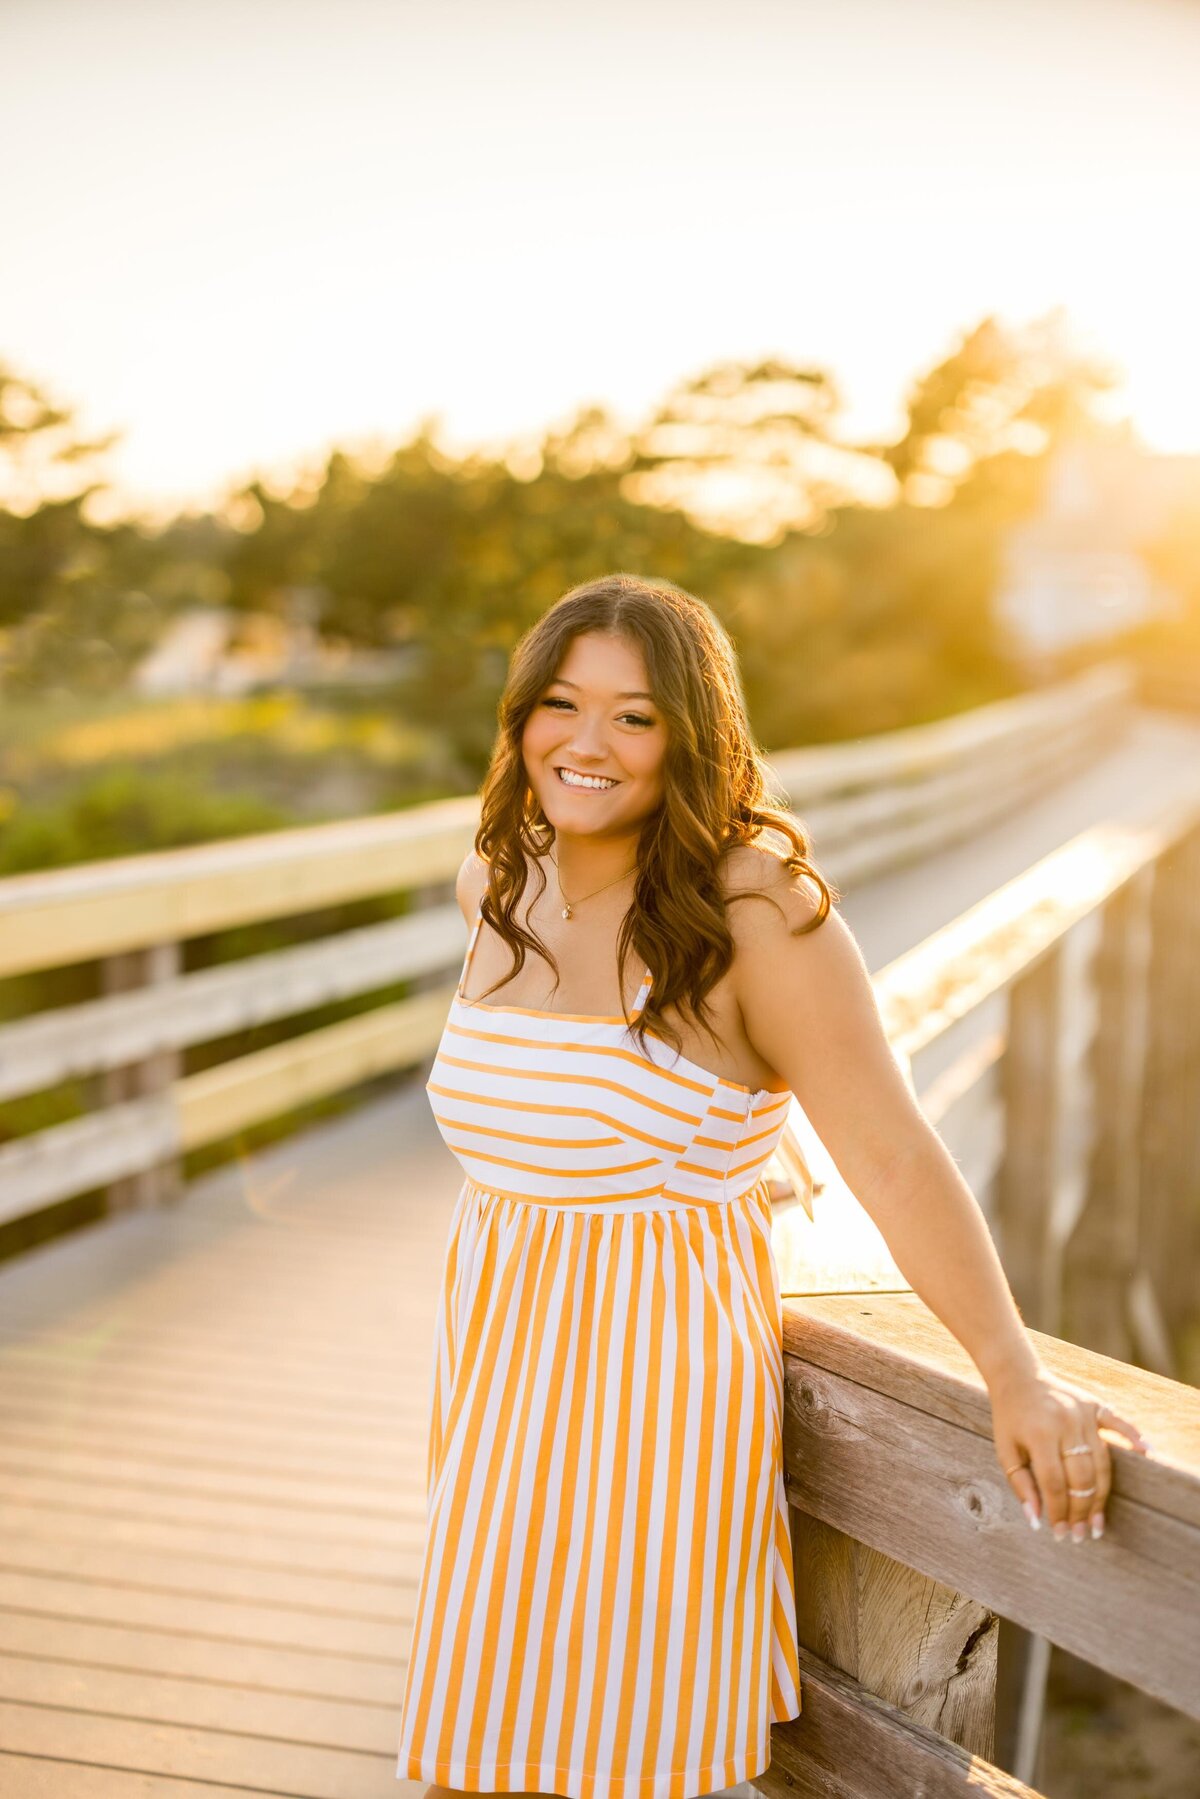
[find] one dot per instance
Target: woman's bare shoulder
(756, 871)
(470, 884)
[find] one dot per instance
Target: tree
(981, 420)
(751, 450)
(42, 528)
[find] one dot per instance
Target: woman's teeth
(593, 782)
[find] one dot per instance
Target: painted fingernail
(1078, 1531)
(1035, 1522)
(1098, 1525)
(1060, 1531)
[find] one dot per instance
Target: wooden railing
(876, 801)
(1071, 1106)
(1075, 1118)
(910, 1549)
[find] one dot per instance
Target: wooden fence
(870, 804)
(911, 1552)
(1075, 1121)
(1077, 1125)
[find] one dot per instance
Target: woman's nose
(588, 740)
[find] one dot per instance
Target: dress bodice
(564, 1109)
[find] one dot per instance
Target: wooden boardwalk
(212, 1500)
(213, 1418)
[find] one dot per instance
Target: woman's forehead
(600, 660)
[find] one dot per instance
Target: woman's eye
(637, 717)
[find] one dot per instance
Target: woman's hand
(1049, 1445)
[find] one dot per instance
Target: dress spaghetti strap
(462, 979)
(460, 992)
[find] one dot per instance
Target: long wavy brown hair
(714, 793)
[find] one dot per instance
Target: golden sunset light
(280, 228)
(599, 849)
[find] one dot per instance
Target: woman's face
(596, 718)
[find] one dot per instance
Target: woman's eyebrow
(560, 681)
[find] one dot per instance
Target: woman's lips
(609, 782)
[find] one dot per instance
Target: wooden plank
(1046, 1156)
(310, 1489)
(1169, 1215)
(326, 1630)
(1103, 1251)
(954, 970)
(235, 1578)
(946, 1510)
(893, 1344)
(45, 1777)
(155, 1697)
(55, 1390)
(894, 757)
(127, 902)
(29, 1528)
(153, 969)
(126, 1027)
(864, 857)
(177, 1442)
(50, 1165)
(324, 1380)
(248, 1761)
(220, 1100)
(848, 1743)
(235, 1519)
(101, 1644)
(911, 1640)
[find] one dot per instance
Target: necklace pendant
(566, 911)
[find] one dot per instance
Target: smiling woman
(606, 1604)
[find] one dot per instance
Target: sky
(246, 231)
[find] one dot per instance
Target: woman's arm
(809, 1009)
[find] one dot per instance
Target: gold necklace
(567, 904)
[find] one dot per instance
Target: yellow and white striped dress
(606, 1605)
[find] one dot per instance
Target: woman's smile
(571, 777)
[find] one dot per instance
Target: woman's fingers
(1125, 1427)
(1102, 1464)
(1079, 1459)
(1051, 1478)
(1056, 1461)
(1020, 1479)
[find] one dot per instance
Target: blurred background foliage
(857, 581)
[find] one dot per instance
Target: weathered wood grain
(850, 1744)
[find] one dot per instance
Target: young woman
(606, 1606)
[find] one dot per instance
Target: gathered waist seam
(664, 1201)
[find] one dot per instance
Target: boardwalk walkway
(213, 1427)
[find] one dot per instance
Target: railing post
(1103, 1254)
(1049, 1121)
(1164, 1297)
(163, 1183)
(1048, 1096)
(922, 1646)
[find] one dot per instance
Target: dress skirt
(606, 1606)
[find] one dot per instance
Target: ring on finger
(1015, 1466)
(1080, 1492)
(1078, 1449)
